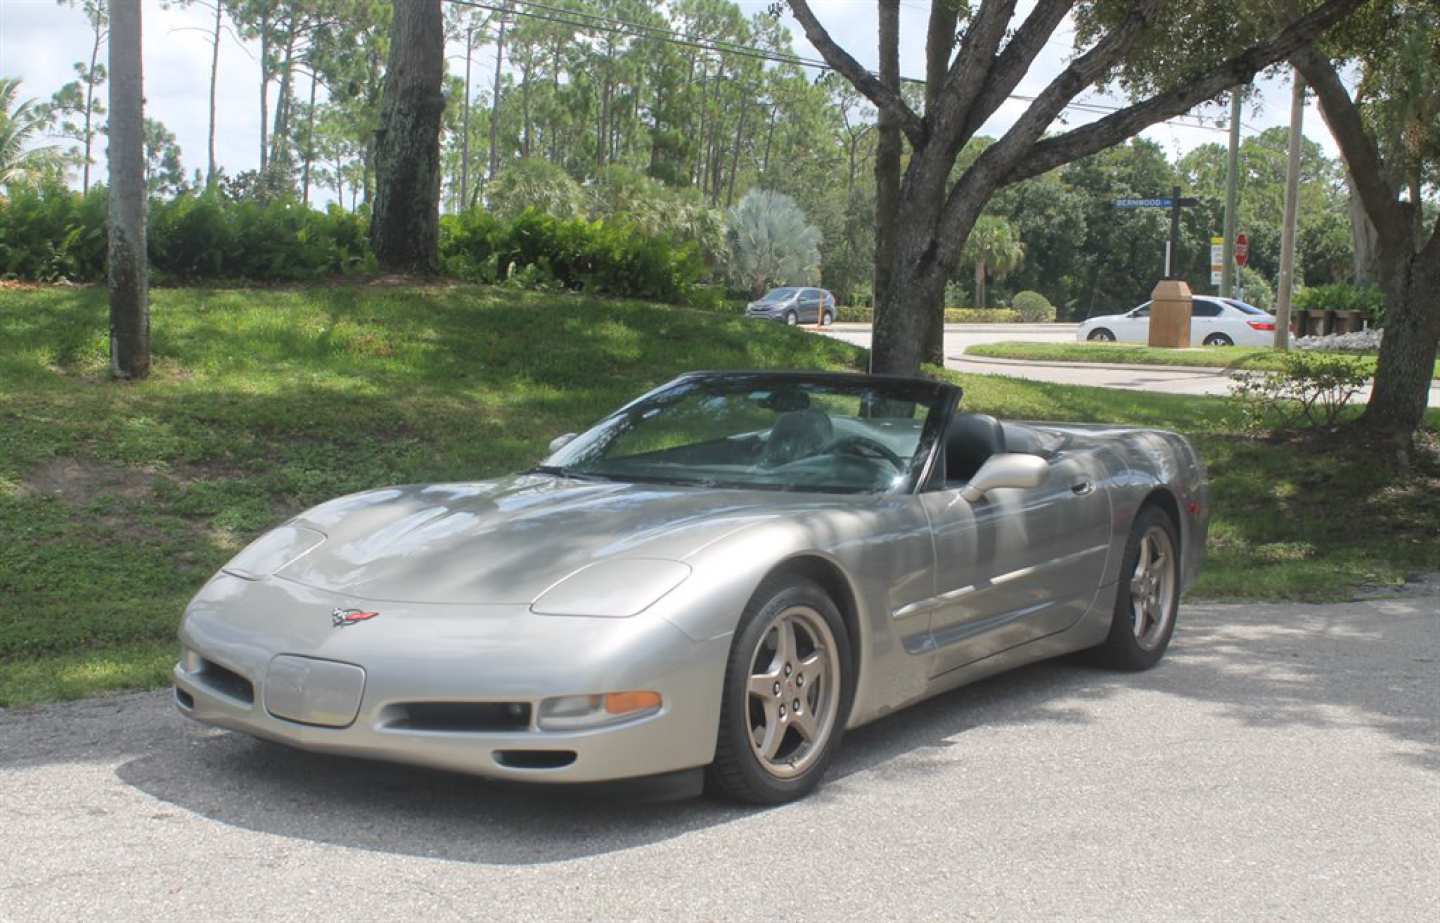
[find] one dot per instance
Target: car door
(1135, 326)
(1016, 565)
(1205, 321)
(809, 306)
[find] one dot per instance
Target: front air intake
(458, 717)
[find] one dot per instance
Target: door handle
(1081, 488)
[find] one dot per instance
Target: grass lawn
(1226, 357)
(118, 500)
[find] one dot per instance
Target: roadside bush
(50, 233)
(1312, 388)
(1341, 296)
(1034, 307)
(540, 251)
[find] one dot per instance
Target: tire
(791, 318)
(827, 319)
(783, 764)
(1128, 647)
(1218, 339)
(1101, 335)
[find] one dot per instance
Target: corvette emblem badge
(339, 618)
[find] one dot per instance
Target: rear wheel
(1218, 339)
(1101, 335)
(1148, 598)
(827, 319)
(791, 318)
(786, 696)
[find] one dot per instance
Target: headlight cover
(614, 589)
(272, 551)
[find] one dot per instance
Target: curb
(1198, 370)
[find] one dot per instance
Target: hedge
(849, 315)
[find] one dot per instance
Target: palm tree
(20, 123)
(995, 249)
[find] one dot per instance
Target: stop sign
(1242, 249)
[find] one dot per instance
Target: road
(958, 337)
(1283, 763)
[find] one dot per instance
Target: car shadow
(1260, 666)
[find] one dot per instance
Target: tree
(74, 105)
(1399, 94)
(536, 184)
(20, 123)
(771, 242)
(125, 256)
(405, 225)
(992, 248)
(967, 86)
(164, 174)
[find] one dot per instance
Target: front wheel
(791, 318)
(1218, 339)
(1101, 335)
(786, 696)
(1148, 598)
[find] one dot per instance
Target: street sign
(1217, 260)
(1242, 249)
(1159, 202)
(1174, 201)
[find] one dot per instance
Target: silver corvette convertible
(711, 584)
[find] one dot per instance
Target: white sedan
(1213, 322)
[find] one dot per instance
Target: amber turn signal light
(623, 703)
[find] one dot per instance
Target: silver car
(795, 305)
(711, 584)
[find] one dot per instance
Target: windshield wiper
(559, 471)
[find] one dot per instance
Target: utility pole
(1287, 233)
(1232, 198)
(127, 270)
(465, 131)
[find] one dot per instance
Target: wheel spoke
(785, 646)
(762, 685)
(1142, 564)
(805, 723)
(812, 668)
(771, 734)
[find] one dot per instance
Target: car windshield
(1242, 306)
(780, 294)
(767, 432)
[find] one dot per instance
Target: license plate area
(312, 691)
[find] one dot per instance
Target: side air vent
(226, 682)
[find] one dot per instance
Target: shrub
(537, 250)
(1034, 307)
(771, 242)
(860, 315)
(1367, 299)
(49, 233)
(1311, 388)
(533, 183)
(1258, 291)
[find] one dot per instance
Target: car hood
(1101, 317)
(508, 540)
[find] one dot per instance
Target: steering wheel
(866, 447)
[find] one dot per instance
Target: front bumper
(461, 656)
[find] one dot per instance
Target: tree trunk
(495, 103)
(1362, 232)
(89, 109)
(525, 112)
(887, 199)
(916, 285)
(264, 89)
(280, 137)
(214, 76)
(127, 275)
(309, 141)
(735, 157)
(405, 224)
(1412, 333)
(981, 295)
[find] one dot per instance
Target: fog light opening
(578, 712)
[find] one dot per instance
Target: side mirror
(1006, 469)
(560, 442)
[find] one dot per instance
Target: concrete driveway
(1283, 762)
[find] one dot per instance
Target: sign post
(1242, 253)
(1217, 260)
(1174, 202)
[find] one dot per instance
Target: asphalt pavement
(1159, 379)
(1283, 762)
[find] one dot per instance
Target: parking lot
(1282, 762)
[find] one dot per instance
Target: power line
(592, 21)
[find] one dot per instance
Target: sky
(41, 39)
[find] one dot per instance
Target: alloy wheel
(1152, 588)
(793, 692)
